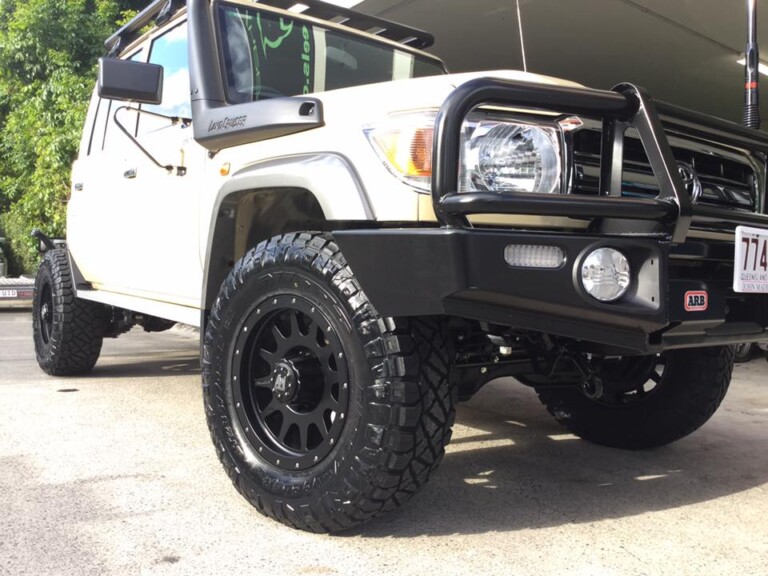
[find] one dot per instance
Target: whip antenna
(751, 71)
(522, 40)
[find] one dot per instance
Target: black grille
(726, 181)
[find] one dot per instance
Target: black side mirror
(129, 80)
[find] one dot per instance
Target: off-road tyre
(67, 330)
(688, 392)
(400, 406)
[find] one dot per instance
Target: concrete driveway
(115, 474)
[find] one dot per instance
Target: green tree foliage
(48, 51)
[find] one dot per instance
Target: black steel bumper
(461, 271)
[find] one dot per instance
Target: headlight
(509, 156)
(497, 154)
(404, 143)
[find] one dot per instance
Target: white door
(148, 216)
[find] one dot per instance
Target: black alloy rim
(45, 322)
(290, 382)
(631, 379)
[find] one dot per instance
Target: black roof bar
(406, 35)
(159, 9)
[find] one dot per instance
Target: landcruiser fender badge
(227, 124)
(696, 301)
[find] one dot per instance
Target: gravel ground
(115, 474)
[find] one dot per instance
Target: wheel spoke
(328, 403)
(303, 436)
(271, 408)
(312, 331)
(270, 358)
(321, 424)
(279, 337)
(265, 382)
(656, 377)
(295, 331)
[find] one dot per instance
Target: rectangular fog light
(532, 256)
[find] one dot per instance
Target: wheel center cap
(284, 382)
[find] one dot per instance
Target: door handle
(130, 173)
(78, 186)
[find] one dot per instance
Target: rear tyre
(323, 413)
(648, 401)
(744, 352)
(67, 330)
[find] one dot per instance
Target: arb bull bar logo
(696, 301)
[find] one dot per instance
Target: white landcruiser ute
(365, 240)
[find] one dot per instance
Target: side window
(100, 125)
(170, 52)
(104, 128)
(86, 141)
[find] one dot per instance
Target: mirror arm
(185, 122)
(180, 170)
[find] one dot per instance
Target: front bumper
(462, 272)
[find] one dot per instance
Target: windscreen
(267, 55)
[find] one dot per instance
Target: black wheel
(67, 330)
(648, 401)
(744, 352)
(323, 413)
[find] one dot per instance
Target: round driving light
(605, 274)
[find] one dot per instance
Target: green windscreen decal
(281, 53)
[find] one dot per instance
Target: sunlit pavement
(115, 474)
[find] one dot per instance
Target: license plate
(750, 265)
(8, 294)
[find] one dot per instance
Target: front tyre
(648, 401)
(323, 413)
(67, 330)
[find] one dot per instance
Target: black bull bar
(458, 270)
(624, 107)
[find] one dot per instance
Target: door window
(170, 52)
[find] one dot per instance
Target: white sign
(750, 263)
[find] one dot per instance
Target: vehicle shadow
(159, 364)
(513, 468)
(138, 354)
